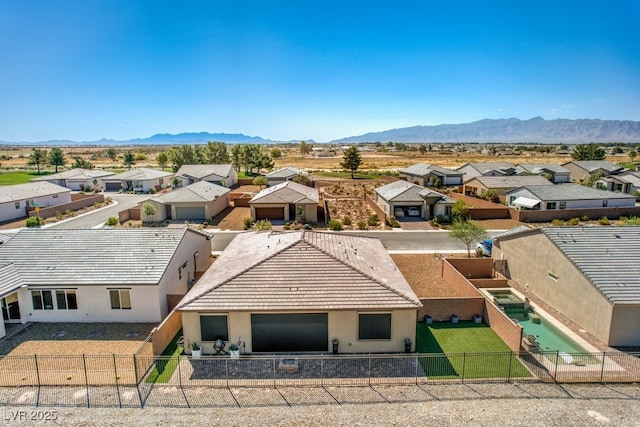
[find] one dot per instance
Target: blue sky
(291, 70)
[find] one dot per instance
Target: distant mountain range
(512, 131)
(536, 130)
(158, 139)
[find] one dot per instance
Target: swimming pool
(549, 338)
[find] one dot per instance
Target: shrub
(346, 220)
(557, 222)
(585, 218)
(373, 220)
(263, 224)
(286, 226)
(69, 212)
(247, 223)
(394, 223)
(623, 219)
(362, 225)
(335, 225)
(58, 215)
(574, 221)
(634, 220)
(34, 221)
(113, 220)
(603, 221)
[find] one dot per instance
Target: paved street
(99, 217)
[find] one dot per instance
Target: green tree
(460, 209)
(466, 232)
(149, 210)
(260, 180)
(163, 159)
(632, 154)
(300, 178)
(181, 155)
(82, 163)
(588, 152)
(276, 153)
(216, 153)
(237, 156)
(37, 158)
(56, 158)
(112, 153)
(305, 148)
(128, 159)
(351, 159)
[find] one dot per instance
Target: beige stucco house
(431, 175)
(501, 184)
(16, 200)
(77, 179)
(223, 174)
(406, 200)
(278, 292)
(285, 174)
(140, 180)
(589, 274)
(583, 169)
(286, 201)
(196, 202)
(102, 275)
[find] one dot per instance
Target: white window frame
(120, 292)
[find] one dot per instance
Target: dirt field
(423, 272)
(346, 201)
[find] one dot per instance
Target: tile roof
(287, 192)
(608, 256)
(404, 191)
(140, 174)
(201, 191)
(271, 271)
(512, 181)
(594, 165)
(571, 192)
(286, 172)
(77, 173)
(10, 279)
(92, 257)
(484, 167)
(201, 171)
(422, 169)
(11, 193)
(541, 167)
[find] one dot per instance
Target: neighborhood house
(431, 175)
(287, 201)
(301, 291)
(566, 196)
(77, 179)
(224, 175)
(196, 202)
(102, 275)
(17, 200)
(140, 180)
(405, 200)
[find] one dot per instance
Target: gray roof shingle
(201, 191)
(594, 165)
(512, 181)
(404, 191)
(301, 270)
(286, 172)
(141, 174)
(572, 192)
(608, 256)
(77, 173)
(201, 171)
(422, 169)
(287, 192)
(11, 193)
(92, 257)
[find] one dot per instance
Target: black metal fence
(137, 380)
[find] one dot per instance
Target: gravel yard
(468, 405)
(423, 272)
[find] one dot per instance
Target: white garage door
(190, 213)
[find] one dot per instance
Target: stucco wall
(342, 325)
(625, 329)
(458, 281)
(165, 332)
(504, 327)
(530, 259)
(94, 305)
(441, 309)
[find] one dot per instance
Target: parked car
(413, 211)
(484, 248)
(398, 213)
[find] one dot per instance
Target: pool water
(550, 338)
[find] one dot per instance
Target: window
(214, 328)
(182, 267)
(551, 205)
(605, 203)
(66, 299)
(55, 196)
(374, 326)
(120, 299)
(138, 184)
(563, 205)
(17, 205)
(553, 277)
(42, 300)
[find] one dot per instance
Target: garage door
(190, 213)
(289, 332)
(269, 213)
(112, 186)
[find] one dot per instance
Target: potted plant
(196, 351)
(234, 351)
(454, 318)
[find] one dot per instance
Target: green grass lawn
(465, 349)
(165, 367)
(12, 178)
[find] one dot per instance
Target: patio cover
(525, 202)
